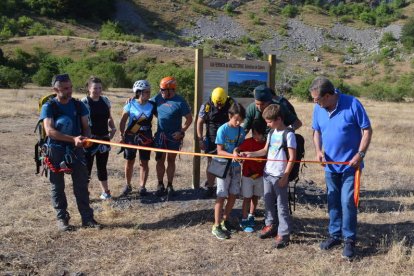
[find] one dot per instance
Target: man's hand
(355, 161)
(320, 157)
(202, 144)
(80, 142)
(178, 135)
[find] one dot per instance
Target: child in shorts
(252, 175)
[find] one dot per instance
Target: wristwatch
(362, 154)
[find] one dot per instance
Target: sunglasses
(60, 78)
(146, 91)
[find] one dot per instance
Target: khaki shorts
(230, 184)
(251, 187)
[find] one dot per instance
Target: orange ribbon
(357, 171)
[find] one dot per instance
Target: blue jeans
(341, 206)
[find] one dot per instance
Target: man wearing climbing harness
(341, 132)
(263, 97)
(139, 112)
(66, 125)
(213, 114)
(170, 131)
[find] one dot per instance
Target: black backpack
(294, 173)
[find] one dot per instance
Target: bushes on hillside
(10, 77)
(407, 34)
(113, 31)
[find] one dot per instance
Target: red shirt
(252, 168)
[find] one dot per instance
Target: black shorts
(137, 139)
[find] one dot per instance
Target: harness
(42, 147)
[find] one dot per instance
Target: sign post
(198, 96)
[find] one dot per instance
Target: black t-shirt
(99, 115)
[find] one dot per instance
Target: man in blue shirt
(342, 128)
(65, 122)
(170, 131)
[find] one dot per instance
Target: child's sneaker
(268, 231)
(106, 195)
(251, 220)
(226, 226)
(219, 233)
(245, 225)
(281, 242)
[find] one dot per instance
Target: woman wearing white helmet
(139, 113)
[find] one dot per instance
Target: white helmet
(141, 85)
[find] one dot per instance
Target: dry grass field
(153, 237)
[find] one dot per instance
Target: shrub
(43, 76)
(11, 77)
(228, 8)
(290, 11)
(407, 34)
(113, 31)
(387, 39)
(301, 89)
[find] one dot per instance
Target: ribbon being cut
(357, 183)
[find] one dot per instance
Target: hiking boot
(281, 242)
(329, 243)
(219, 233)
(251, 220)
(227, 226)
(170, 192)
(105, 195)
(127, 190)
(63, 225)
(245, 225)
(143, 191)
(209, 192)
(268, 231)
(349, 250)
(160, 190)
(92, 224)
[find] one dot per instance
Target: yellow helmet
(218, 96)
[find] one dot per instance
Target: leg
(160, 167)
(210, 177)
(171, 167)
(334, 185)
(129, 169)
(80, 187)
(349, 210)
(57, 182)
(269, 198)
(89, 164)
(247, 193)
(101, 163)
(143, 172)
(283, 210)
(253, 204)
(218, 208)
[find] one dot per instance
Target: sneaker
(170, 192)
(349, 250)
(209, 192)
(251, 220)
(281, 241)
(63, 225)
(127, 190)
(92, 224)
(105, 195)
(219, 232)
(329, 243)
(160, 190)
(245, 225)
(226, 226)
(142, 191)
(268, 231)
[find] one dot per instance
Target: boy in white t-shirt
(276, 174)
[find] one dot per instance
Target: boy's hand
(284, 181)
(320, 158)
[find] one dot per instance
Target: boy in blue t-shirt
(229, 137)
(276, 176)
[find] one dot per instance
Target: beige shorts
(251, 187)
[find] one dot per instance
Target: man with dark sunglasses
(65, 122)
(170, 131)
